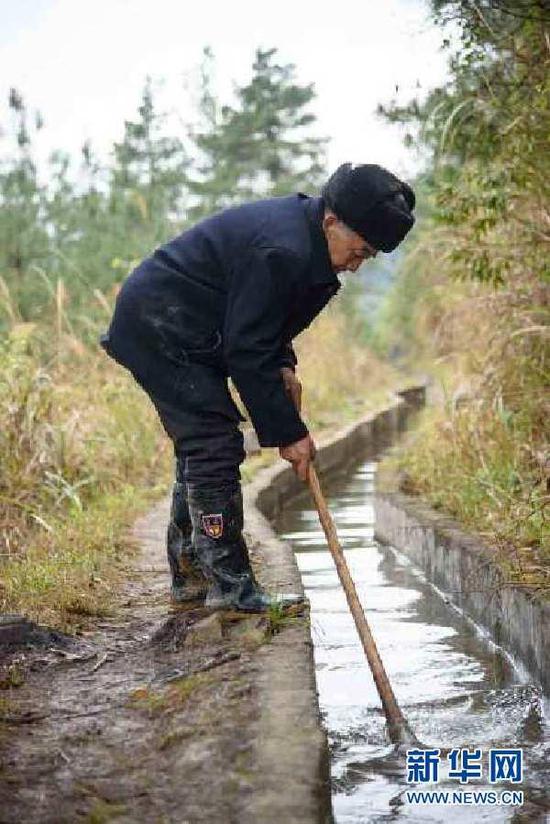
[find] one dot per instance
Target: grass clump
(173, 738)
(104, 811)
(172, 698)
(12, 677)
(279, 617)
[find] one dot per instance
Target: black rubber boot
(188, 581)
(217, 517)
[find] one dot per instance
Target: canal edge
(462, 566)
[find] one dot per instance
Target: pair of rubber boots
(208, 556)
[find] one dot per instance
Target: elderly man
(225, 299)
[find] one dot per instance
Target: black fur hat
(372, 202)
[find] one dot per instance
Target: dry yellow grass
(482, 454)
(340, 378)
(81, 453)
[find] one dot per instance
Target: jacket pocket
(206, 350)
(203, 344)
(190, 348)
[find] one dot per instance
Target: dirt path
(150, 718)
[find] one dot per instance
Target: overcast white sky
(82, 63)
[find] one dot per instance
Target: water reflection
(455, 687)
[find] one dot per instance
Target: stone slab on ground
(16, 630)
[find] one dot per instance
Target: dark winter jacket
(231, 293)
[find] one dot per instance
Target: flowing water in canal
(455, 687)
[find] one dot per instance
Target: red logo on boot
(212, 525)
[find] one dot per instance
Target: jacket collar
(321, 269)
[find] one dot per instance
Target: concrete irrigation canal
(187, 716)
(455, 686)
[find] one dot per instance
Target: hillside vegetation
(471, 305)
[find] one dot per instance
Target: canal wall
(291, 747)
(465, 569)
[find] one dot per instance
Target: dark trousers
(204, 428)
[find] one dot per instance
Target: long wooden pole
(398, 728)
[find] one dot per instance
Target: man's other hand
(300, 454)
(293, 387)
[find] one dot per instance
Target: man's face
(346, 248)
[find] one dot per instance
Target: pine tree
(149, 172)
(260, 146)
(23, 238)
